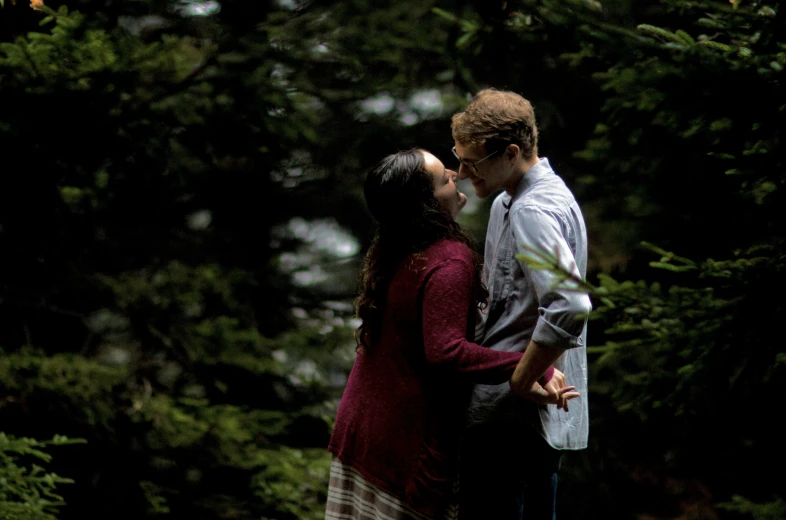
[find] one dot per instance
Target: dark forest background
(182, 220)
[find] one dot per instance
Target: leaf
(685, 37)
(715, 45)
(710, 23)
(608, 303)
(444, 14)
(659, 32)
(464, 40)
(671, 267)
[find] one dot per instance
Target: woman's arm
(447, 298)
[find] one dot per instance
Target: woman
(396, 438)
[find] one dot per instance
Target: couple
(433, 425)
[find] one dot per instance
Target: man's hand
(553, 387)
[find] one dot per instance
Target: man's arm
(533, 364)
(562, 313)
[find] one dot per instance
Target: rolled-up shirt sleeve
(563, 312)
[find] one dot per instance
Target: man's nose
(463, 171)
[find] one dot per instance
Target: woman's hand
(555, 391)
(557, 388)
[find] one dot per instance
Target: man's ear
(512, 152)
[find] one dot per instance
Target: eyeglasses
(470, 164)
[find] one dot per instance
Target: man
(512, 450)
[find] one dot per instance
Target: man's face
(489, 176)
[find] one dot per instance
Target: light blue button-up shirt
(525, 304)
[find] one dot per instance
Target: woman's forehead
(433, 164)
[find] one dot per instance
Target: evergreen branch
(685, 37)
(183, 84)
(715, 45)
(551, 262)
(659, 32)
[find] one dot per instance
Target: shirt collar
(540, 169)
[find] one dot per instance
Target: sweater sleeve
(446, 300)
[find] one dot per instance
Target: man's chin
(481, 192)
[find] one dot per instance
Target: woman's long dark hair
(400, 196)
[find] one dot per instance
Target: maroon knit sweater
(402, 413)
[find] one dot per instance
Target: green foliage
(766, 511)
(680, 361)
(27, 492)
(295, 479)
(165, 167)
(68, 379)
(147, 312)
(37, 59)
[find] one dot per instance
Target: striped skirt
(352, 497)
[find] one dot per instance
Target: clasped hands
(555, 391)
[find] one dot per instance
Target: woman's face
(445, 189)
